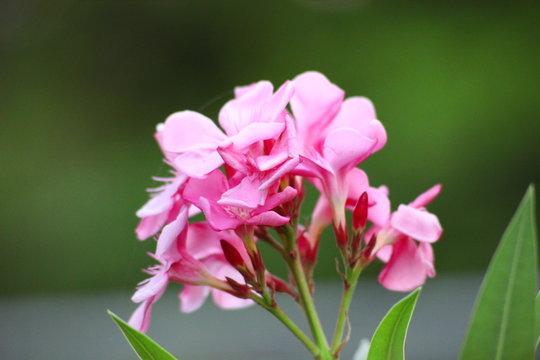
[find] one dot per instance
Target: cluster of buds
(247, 178)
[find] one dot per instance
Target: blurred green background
(83, 84)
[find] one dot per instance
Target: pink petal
(188, 130)
(426, 197)
(211, 187)
(356, 112)
(418, 224)
(197, 164)
(150, 225)
(257, 131)
(385, 253)
(156, 285)
(218, 218)
(223, 299)
(167, 246)
(140, 319)
(405, 271)
(202, 241)
(345, 148)
(379, 212)
(426, 254)
(358, 183)
(268, 218)
(267, 162)
(279, 198)
(192, 297)
(314, 103)
(245, 194)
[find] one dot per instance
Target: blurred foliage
(83, 84)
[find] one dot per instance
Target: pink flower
(255, 115)
(334, 135)
(225, 210)
(163, 207)
(405, 244)
(194, 258)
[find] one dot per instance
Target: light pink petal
(375, 130)
(140, 319)
(192, 297)
(211, 187)
(277, 174)
(246, 108)
(385, 253)
(314, 103)
(156, 285)
(321, 217)
(279, 198)
(202, 241)
(257, 131)
(197, 164)
(425, 251)
(405, 270)
(425, 198)
(345, 148)
(278, 102)
(162, 201)
(188, 130)
(379, 210)
(150, 225)
(356, 112)
(358, 183)
(267, 162)
(418, 224)
(245, 194)
(223, 299)
(168, 243)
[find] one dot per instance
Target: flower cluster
(247, 178)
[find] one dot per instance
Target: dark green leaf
(388, 342)
(142, 344)
(503, 322)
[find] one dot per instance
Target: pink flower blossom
(405, 244)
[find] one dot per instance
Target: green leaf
(388, 342)
(537, 316)
(503, 322)
(142, 344)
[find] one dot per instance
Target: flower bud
(360, 213)
(232, 255)
(240, 290)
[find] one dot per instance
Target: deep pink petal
(279, 198)
(192, 297)
(188, 130)
(268, 218)
(418, 224)
(245, 194)
(358, 183)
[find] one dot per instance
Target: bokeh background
(84, 83)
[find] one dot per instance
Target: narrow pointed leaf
(503, 322)
(537, 315)
(142, 344)
(388, 342)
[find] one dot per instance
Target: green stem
(281, 316)
(305, 295)
(348, 291)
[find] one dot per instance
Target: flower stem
(349, 285)
(275, 310)
(305, 295)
